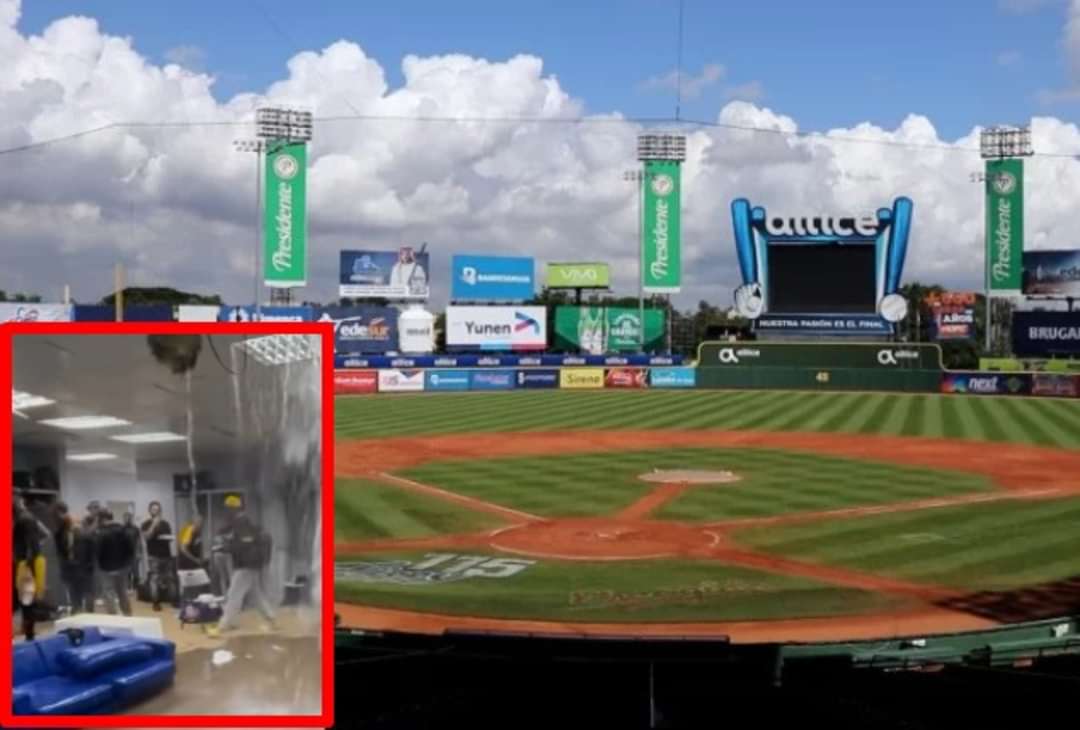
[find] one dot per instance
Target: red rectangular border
(323, 720)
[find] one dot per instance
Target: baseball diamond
(829, 516)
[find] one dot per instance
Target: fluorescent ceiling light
(82, 423)
(158, 437)
(91, 456)
(20, 401)
(280, 349)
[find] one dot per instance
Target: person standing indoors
(28, 567)
(249, 547)
(135, 536)
(115, 556)
(83, 566)
(64, 538)
(156, 533)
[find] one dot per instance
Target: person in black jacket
(249, 546)
(115, 556)
(25, 554)
(83, 566)
(157, 534)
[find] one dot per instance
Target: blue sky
(827, 63)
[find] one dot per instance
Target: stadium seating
(89, 671)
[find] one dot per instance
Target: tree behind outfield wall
(142, 296)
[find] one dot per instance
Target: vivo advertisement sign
(496, 328)
(446, 380)
(538, 378)
(362, 329)
(493, 278)
(673, 377)
(492, 379)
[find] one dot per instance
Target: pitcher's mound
(689, 476)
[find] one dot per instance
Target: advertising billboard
(355, 382)
(824, 355)
(1052, 273)
(401, 274)
(626, 378)
(266, 314)
(1005, 226)
(599, 330)
(362, 329)
(28, 312)
(952, 315)
(496, 328)
(1055, 385)
(578, 276)
(197, 313)
(1044, 334)
(673, 377)
(986, 384)
(492, 379)
(538, 378)
(285, 215)
(446, 380)
(661, 254)
(581, 378)
(401, 381)
(136, 313)
(493, 278)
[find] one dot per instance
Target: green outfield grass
(657, 590)
(364, 510)
(992, 546)
(772, 482)
(1047, 422)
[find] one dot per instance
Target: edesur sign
(496, 328)
(578, 276)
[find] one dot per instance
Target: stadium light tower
(274, 127)
(653, 147)
(998, 143)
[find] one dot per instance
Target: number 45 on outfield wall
(474, 566)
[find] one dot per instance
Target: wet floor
(266, 676)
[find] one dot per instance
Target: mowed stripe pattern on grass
(772, 482)
(990, 546)
(1045, 422)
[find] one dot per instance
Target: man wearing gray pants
(249, 548)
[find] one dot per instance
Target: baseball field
(764, 516)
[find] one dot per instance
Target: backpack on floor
(200, 612)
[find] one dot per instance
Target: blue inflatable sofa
(89, 672)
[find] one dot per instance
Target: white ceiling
(117, 375)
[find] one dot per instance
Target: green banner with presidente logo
(601, 330)
(578, 276)
(285, 215)
(1005, 226)
(661, 256)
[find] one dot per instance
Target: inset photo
(167, 522)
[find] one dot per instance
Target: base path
(1022, 472)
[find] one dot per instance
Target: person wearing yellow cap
(249, 548)
(28, 567)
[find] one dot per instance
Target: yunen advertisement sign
(1046, 333)
(673, 377)
(29, 312)
(496, 328)
(600, 330)
(493, 278)
(492, 379)
(266, 314)
(362, 329)
(661, 257)
(446, 380)
(538, 378)
(824, 355)
(952, 315)
(401, 381)
(626, 378)
(986, 383)
(578, 276)
(1005, 226)
(285, 215)
(401, 274)
(355, 382)
(1052, 273)
(581, 378)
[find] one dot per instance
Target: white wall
(82, 483)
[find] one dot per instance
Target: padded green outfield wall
(820, 366)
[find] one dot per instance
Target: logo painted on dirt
(700, 593)
(434, 568)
